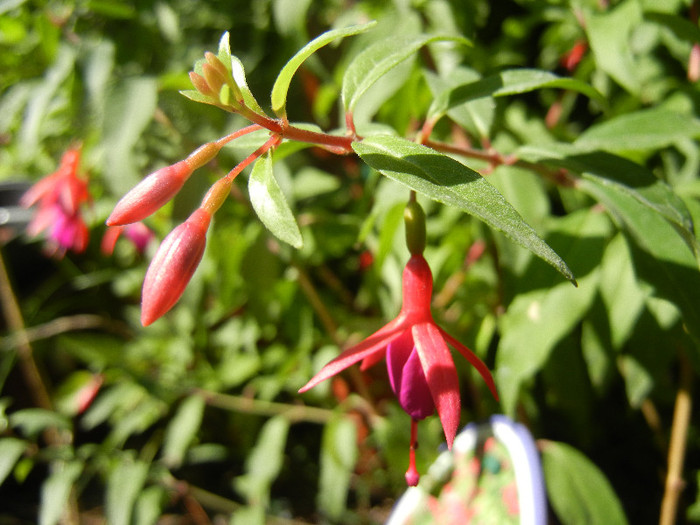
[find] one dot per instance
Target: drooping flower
(59, 198)
(419, 363)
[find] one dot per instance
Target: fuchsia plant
(419, 364)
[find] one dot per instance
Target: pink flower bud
(150, 194)
(173, 266)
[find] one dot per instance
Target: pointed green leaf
(609, 34)
(264, 463)
(448, 181)
(476, 116)
(663, 259)
(683, 28)
(32, 421)
(505, 83)
(239, 76)
(577, 489)
(11, 449)
(123, 488)
(182, 430)
(270, 204)
(56, 490)
(612, 173)
(224, 52)
(281, 86)
(338, 457)
(545, 314)
(647, 129)
(379, 58)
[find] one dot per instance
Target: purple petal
(414, 392)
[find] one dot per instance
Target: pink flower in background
(419, 364)
(137, 232)
(59, 198)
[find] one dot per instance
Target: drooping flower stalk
(419, 363)
(181, 251)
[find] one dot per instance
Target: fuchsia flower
(420, 367)
(59, 197)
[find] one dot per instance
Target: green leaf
(149, 505)
(505, 83)
(123, 488)
(683, 28)
(610, 173)
(11, 449)
(579, 492)
(609, 36)
(284, 79)
(379, 58)
(338, 457)
(448, 181)
(476, 116)
(623, 297)
(130, 110)
(270, 204)
(56, 490)
(182, 430)
(663, 259)
(32, 421)
(264, 462)
(239, 77)
(647, 129)
(540, 318)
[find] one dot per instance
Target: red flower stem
(412, 475)
(270, 143)
(239, 133)
(340, 145)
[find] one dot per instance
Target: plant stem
(32, 376)
(679, 437)
(247, 405)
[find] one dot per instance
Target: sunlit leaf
(338, 456)
(284, 79)
(55, 491)
(270, 203)
(609, 35)
(508, 82)
(647, 129)
(123, 488)
(445, 180)
(11, 449)
(379, 58)
(182, 429)
(264, 462)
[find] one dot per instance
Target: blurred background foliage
(197, 417)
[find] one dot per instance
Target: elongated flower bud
(150, 194)
(173, 266)
(414, 218)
